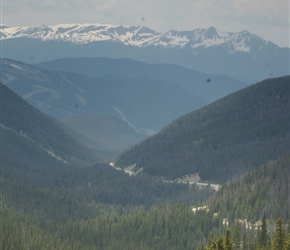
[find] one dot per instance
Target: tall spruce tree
(237, 236)
(263, 237)
(217, 244)
(287, 242)
(279, 236)
(228, 243)
(222, 243)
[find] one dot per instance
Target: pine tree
(222, 243)
(244, 241)
(228, 243)
(216, 245)
(287, 243)
(263, 237)
(237, 236)
(279, 236)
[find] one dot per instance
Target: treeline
(75, 193)
(98, 207)
(165, 227)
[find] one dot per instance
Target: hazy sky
(267, 18)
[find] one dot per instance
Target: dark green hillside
(167, 227)
(265, 189)
(35, 154)
(21, 121)
(223, 139)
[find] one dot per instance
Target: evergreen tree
(222, 243)
(287, 243)
(237, 236)
(217, 245)
(279, 236)
(228, 243)
(244, 241)
(263, 237)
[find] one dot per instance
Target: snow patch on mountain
(13, 65)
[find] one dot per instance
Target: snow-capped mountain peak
(138, 36)
(82, 33)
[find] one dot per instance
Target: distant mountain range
(240, 54)
(111, 104)
(222, 140)
(141, 36)
(205, 87)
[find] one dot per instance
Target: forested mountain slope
(35, 153)
(25, 128)
(223, 139)
(265, 189)
(163, 227)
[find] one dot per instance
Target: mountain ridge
(191, 80)
(22, 123)
(221, 140)
(179, 90)
(139, 36)
(41, 87)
